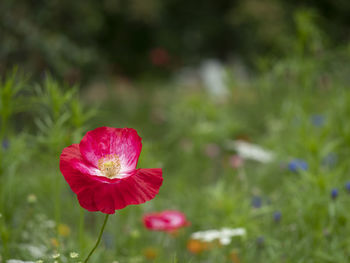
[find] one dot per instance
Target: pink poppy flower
(101, 170)
(169, 220)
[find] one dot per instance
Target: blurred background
(80, 40)
(245, 105)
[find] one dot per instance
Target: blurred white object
(250, 151)
(224, 235)
(212, 74)
(34, 251)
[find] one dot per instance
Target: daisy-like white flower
(73, 255)
(101, 170)
(251, 151)
(56, 255)
(223, 235)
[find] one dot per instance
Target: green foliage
(80, 39)
(60, 118)
(297, 108)
(10, 103)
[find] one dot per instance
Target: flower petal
(86, 200)
(104, 141)
(75, 169)
(143, 185)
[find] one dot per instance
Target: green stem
(98, 240)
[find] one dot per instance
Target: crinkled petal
(86, 200)
(104, 141)
(143, 185)
(75, 169)
(79, 175)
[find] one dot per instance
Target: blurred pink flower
(236, 161)
(168, 221)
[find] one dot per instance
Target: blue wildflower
(277, 216)
(5, 144)
(256, 201)
(334, 193)
(318, 120)
(297, 165)
(347, 186)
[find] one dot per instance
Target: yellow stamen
(109, 165)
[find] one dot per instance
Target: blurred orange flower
(197, 246)
(234, 257)
(54, 242)
(150, 252)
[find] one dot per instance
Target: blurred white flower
(212, 73)
(250, 151)
(225, 241)
(49, 224)
(73, 254)
(34, 251)
(224, 235)
(56, 255)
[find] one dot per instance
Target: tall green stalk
(98, 240)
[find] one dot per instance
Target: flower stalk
(98, 240)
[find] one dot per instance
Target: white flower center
(109, 165)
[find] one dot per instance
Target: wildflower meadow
(187, 159)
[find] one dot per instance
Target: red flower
(101, 170)
(159, 57)
(169, 221)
